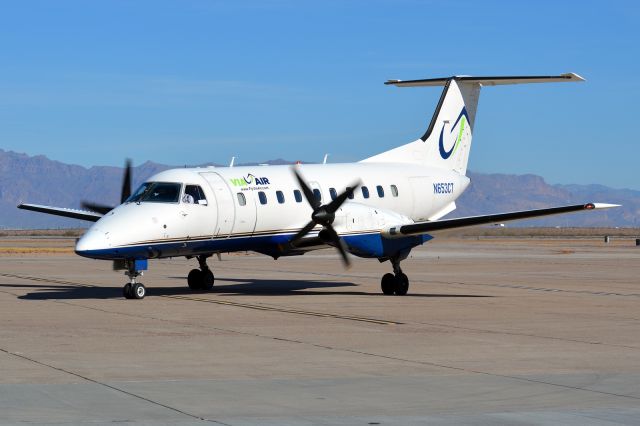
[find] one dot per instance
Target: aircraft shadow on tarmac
(239, 287)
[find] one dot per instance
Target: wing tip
(573, 76)
(62, 211)
(599, 206)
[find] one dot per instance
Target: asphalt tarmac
(493, 331)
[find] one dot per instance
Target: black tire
(207, 280)
(194, 279)
(138, 291)
(126, 291)
(388, 284)
(402, 284)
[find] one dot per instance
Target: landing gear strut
(133, 289)
(396, 283)
(201, 279)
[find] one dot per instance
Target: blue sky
(187, 82)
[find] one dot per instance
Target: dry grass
(36, 250)
(71, 233)
(566, 251)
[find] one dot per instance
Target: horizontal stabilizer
(465, 222)
(62, 211)
(489, 81)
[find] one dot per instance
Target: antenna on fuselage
(324, 161)
(233, 160)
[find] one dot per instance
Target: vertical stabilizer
(447, 142)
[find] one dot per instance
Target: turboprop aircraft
(380, 207)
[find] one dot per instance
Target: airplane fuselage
(259, 208)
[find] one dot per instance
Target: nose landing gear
(133, 289)
(201, 279)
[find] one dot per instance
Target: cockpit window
(156, 192)
(193, 194)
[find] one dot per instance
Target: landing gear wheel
(388, 284)
(207, 279)
(194, 279)
(402, 284)
(126, 291)
(133, 289)
(138, 291)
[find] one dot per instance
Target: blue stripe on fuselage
(188, 248)
(363, 245)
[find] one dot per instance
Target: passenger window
(365, 192)
(333, 193)
(193, 194)
(280, 197)
(317, 194)
(297, 195)
(394, 190)
(241, 199)
(350, 194)
(263, 197)
(380, 191)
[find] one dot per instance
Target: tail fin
(447, 141)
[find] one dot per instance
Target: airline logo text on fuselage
(250, 182)
(443, 188)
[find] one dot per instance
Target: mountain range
(39, 180)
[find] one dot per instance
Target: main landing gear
(201, 279)
(396, 283)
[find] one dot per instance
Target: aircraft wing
(464, 222)
(62, 211)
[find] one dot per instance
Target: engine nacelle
(359, 218)
(361, 228)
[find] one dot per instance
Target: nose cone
(94, 244)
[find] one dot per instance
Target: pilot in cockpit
(188, 198)
(190, 194)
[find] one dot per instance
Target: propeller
(324, 215)
(126, 182)
(124, 194)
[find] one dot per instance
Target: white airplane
(380, 207)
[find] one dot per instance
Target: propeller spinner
(323, 215)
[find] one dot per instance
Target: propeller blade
(308, 193)
(98, 208)
(338, 244)
(324, 216)
(335, 204)
(126, 182)
(301, 233)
